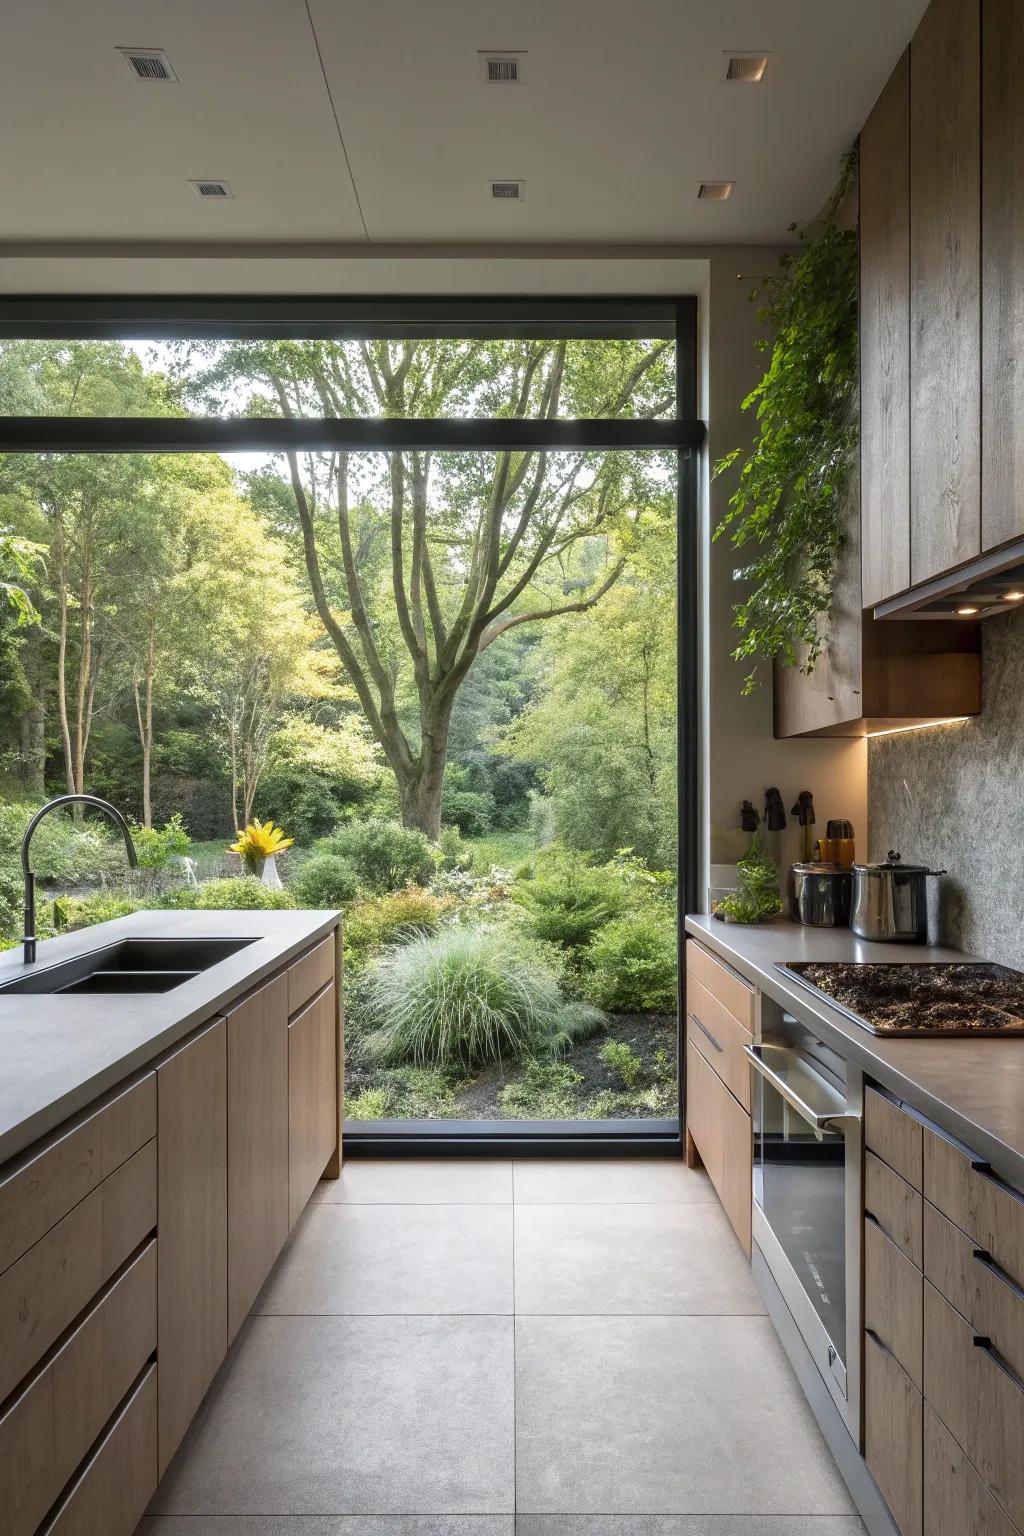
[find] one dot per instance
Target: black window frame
(156, 318)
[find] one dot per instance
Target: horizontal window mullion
(162, 434)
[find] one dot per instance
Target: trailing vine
(793, 479)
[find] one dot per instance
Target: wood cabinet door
(945, 288)
(192, 1227)
(893, 1427)
(885, 340)
(1002, 272)
(720, 1129)
(257, 1143)
(313, 1088)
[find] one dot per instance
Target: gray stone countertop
(973, 1087)
(58, 1053)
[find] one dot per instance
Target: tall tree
(416, 561)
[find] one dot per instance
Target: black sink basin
(133, 965)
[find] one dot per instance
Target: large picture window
(416, 583)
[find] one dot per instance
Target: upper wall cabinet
(885, 340)
(1002, 269)
(945, 289)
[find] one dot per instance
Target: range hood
(991, 584)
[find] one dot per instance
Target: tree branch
(493, 630)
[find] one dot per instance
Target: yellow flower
(261, 840)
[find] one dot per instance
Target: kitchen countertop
(59, 1053)
(972, 1087)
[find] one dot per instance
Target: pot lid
(820, 867)
(892, 864)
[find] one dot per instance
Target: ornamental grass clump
(468, 997)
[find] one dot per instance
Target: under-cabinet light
(965, 613)
(922, 725)
(1012, 597)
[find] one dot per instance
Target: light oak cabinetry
(111, 1492)
(192, 1293)
(257, 1130)
(944, 1325)
(312, 1097)
(720, 1009)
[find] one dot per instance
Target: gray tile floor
(489, 1348)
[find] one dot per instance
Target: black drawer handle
(986, 1261)
(997, 1359)
(986, 1171)
(705, 1031)
(873, 1336)
(870, 1216)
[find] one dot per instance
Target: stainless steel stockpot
(820, 895)
(890, 901)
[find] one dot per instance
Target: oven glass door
(800, 1185)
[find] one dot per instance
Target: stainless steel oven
(807, 1108)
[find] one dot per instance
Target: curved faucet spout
(26, 842)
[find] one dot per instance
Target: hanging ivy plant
(787, 505)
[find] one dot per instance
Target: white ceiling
(621, 114)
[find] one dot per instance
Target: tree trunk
(144, 721)
(420, 791)
(62, 688)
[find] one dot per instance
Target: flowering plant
(259, 841)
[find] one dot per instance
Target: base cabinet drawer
(110, 1494)
(893, 1300)
(893, 1419)
(977, 1201)
(956, 1501)
(894, 1136)
(978, 1397)
(895, 1205)
(310, 972)
(720, 1129)
(724, 985)
(969, 1278)
(313, 1089)
(720, 1038)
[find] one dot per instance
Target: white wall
(739, 755)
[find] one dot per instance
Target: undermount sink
(133, 965)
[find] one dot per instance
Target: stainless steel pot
(890, 901)
(820, 895)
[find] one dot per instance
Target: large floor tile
(630, 1258)
(689, 1525)
(610, 1180)
(656, 1415)
(344, 1415)
(421, 1181)
(375, 1259)
(328, 1525)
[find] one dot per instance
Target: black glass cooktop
(931, 998)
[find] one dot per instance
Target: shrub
(317, 774)
(385, 855)
(242, 893)
(469, 810)
(369, 925)
(569, 900)
(326, 880)
(546, 1091)
(85, 911)
(404, 1093)
(633, 965)
(466, 997)
(11, 900)
(156, 846)
(622, 1062)
(455, 854)
(61, 848)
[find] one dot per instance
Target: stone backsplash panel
(952, 797)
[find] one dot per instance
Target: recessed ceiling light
(746, 68)
(211, 187)
(1013, 597)
(965, 612)
(715, 191)
(149, 64)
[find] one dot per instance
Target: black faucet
(30, 879)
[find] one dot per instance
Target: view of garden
(448, 678)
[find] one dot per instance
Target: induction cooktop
(918, 997)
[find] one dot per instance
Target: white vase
(270, 875)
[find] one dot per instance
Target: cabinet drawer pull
(705, 1031)
(883, 1346)
(985, 1259)
(986, 1171)
(870, 1216)
(997, 1359)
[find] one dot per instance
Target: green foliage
(317, 776)
(469, 811)
(622, 1062)
(156, 846)
(546, 1091)
(11, 897)
(385, 855)
(326, 880)
(242, 894)
(369, 925)
(792, 483)
(61, 849)
(86, 911)
(569, 900)
(758, 895)
(405, 1093)
(632, 965)
(466, 997)
(455, 854)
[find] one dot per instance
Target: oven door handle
(819, 1123)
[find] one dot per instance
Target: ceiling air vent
(746, 68)
(503, 68)
(210, 188)
(149, 64)
(715, 191)
(508, 191)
